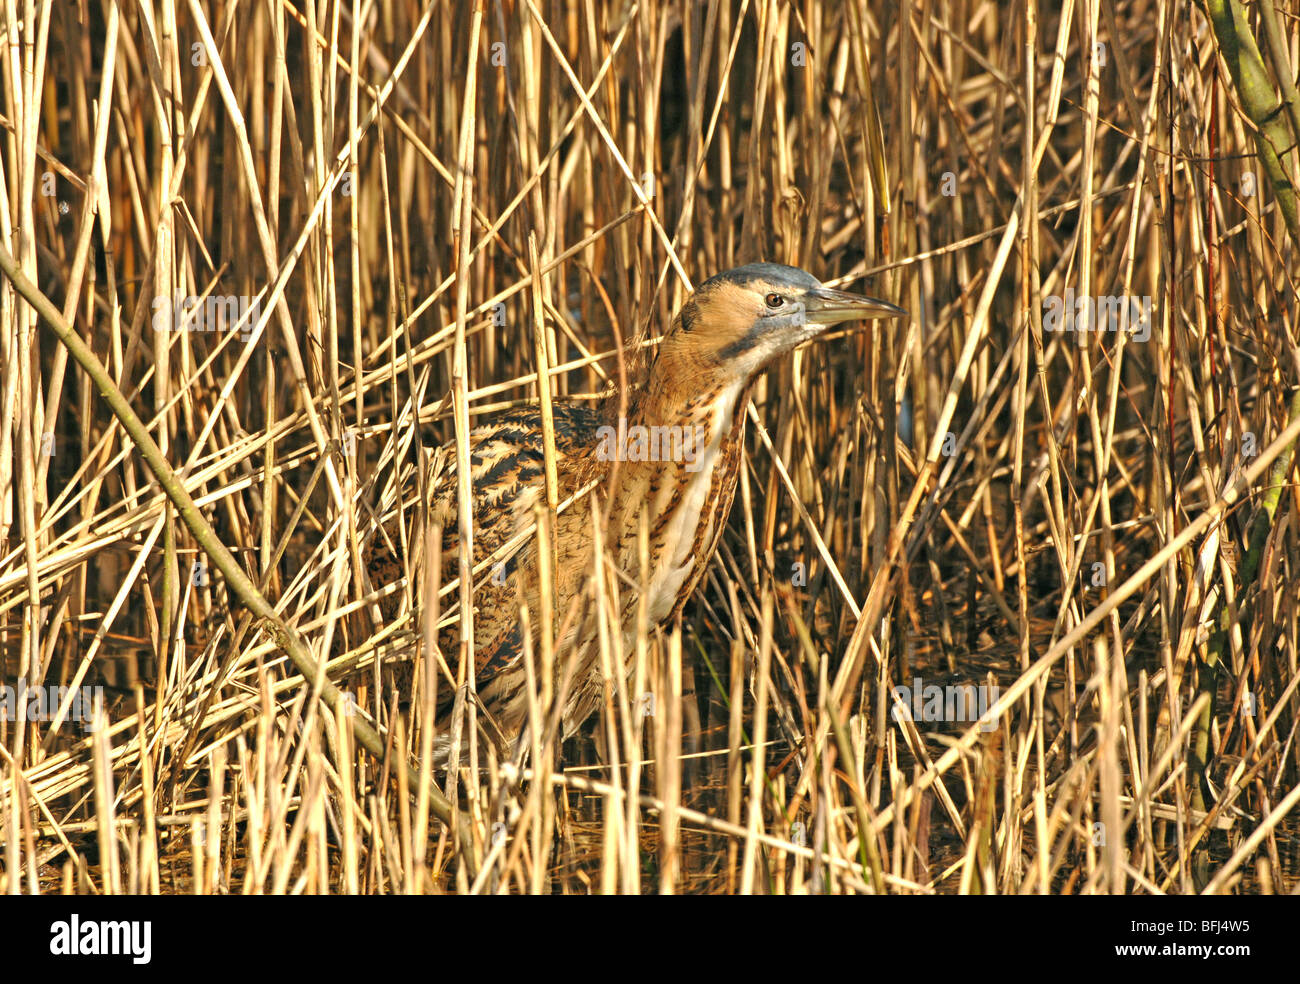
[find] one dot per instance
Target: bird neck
(678, 451)
(680, 417)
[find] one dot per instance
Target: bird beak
(825, 306)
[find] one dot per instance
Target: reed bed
(262, 258)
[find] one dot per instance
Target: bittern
(674, 456)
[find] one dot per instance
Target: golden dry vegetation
(395, 215)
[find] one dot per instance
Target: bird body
(662, 463)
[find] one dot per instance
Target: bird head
(739, 321)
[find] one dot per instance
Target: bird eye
(774, 300)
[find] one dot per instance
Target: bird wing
(507, 471)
